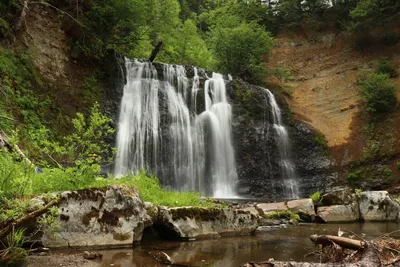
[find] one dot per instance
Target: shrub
(385, 66)
(355, 176)
(315, 197)
(379, 92)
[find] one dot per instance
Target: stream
(282, 244)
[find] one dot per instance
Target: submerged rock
(106, 217)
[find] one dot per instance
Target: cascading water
(288, 169)
(160, 130)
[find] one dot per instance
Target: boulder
(377, 206)
(252, 210)
(190, 223)
(338, 213)
(105, 217)
(342, 196)
(265, 208)
(302, 206)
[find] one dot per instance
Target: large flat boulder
(377, 206)
(343, 196)
(302, 206)
(105, 217)
(265, 208)
(189, 223)
(339, 213)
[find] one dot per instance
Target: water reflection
(278, 243)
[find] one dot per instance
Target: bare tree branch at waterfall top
(155, 51)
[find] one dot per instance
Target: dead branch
(14, 224)
(342, 241)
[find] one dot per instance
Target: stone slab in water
(266, 208)
(339, 213)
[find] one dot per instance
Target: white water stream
(288, 169)
(191, 151)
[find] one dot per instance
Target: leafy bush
(315, 197)
(385, 66)
(379, 92)
(239, 48)
(355, 176)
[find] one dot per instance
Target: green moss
(198, 213)
(288, 214)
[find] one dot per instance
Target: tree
(239, 48)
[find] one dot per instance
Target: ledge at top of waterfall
(177, 129)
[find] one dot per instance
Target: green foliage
(282, 73)
(8, 11)
(239, 48)
(357, 191)
(379, 92)
(315, 197)
(13, 257)
(288, 214)
(398, 165)
(88, 141)
(385, 66)
(354, 176)
(14, 175)
(321, 139)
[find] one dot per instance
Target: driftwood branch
(34, 214)
(341, 241)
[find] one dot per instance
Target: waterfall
(161, 130)
(288, 169)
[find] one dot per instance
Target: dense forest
(47, 148)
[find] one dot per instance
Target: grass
(150, 190)
(18, 178)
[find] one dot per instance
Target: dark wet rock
(91, 255)
(189, 223)
(106, 217)
(257, 154)
(378, 206)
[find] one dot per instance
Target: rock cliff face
(257, 154)
(254, 140)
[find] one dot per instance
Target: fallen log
(344, 242)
